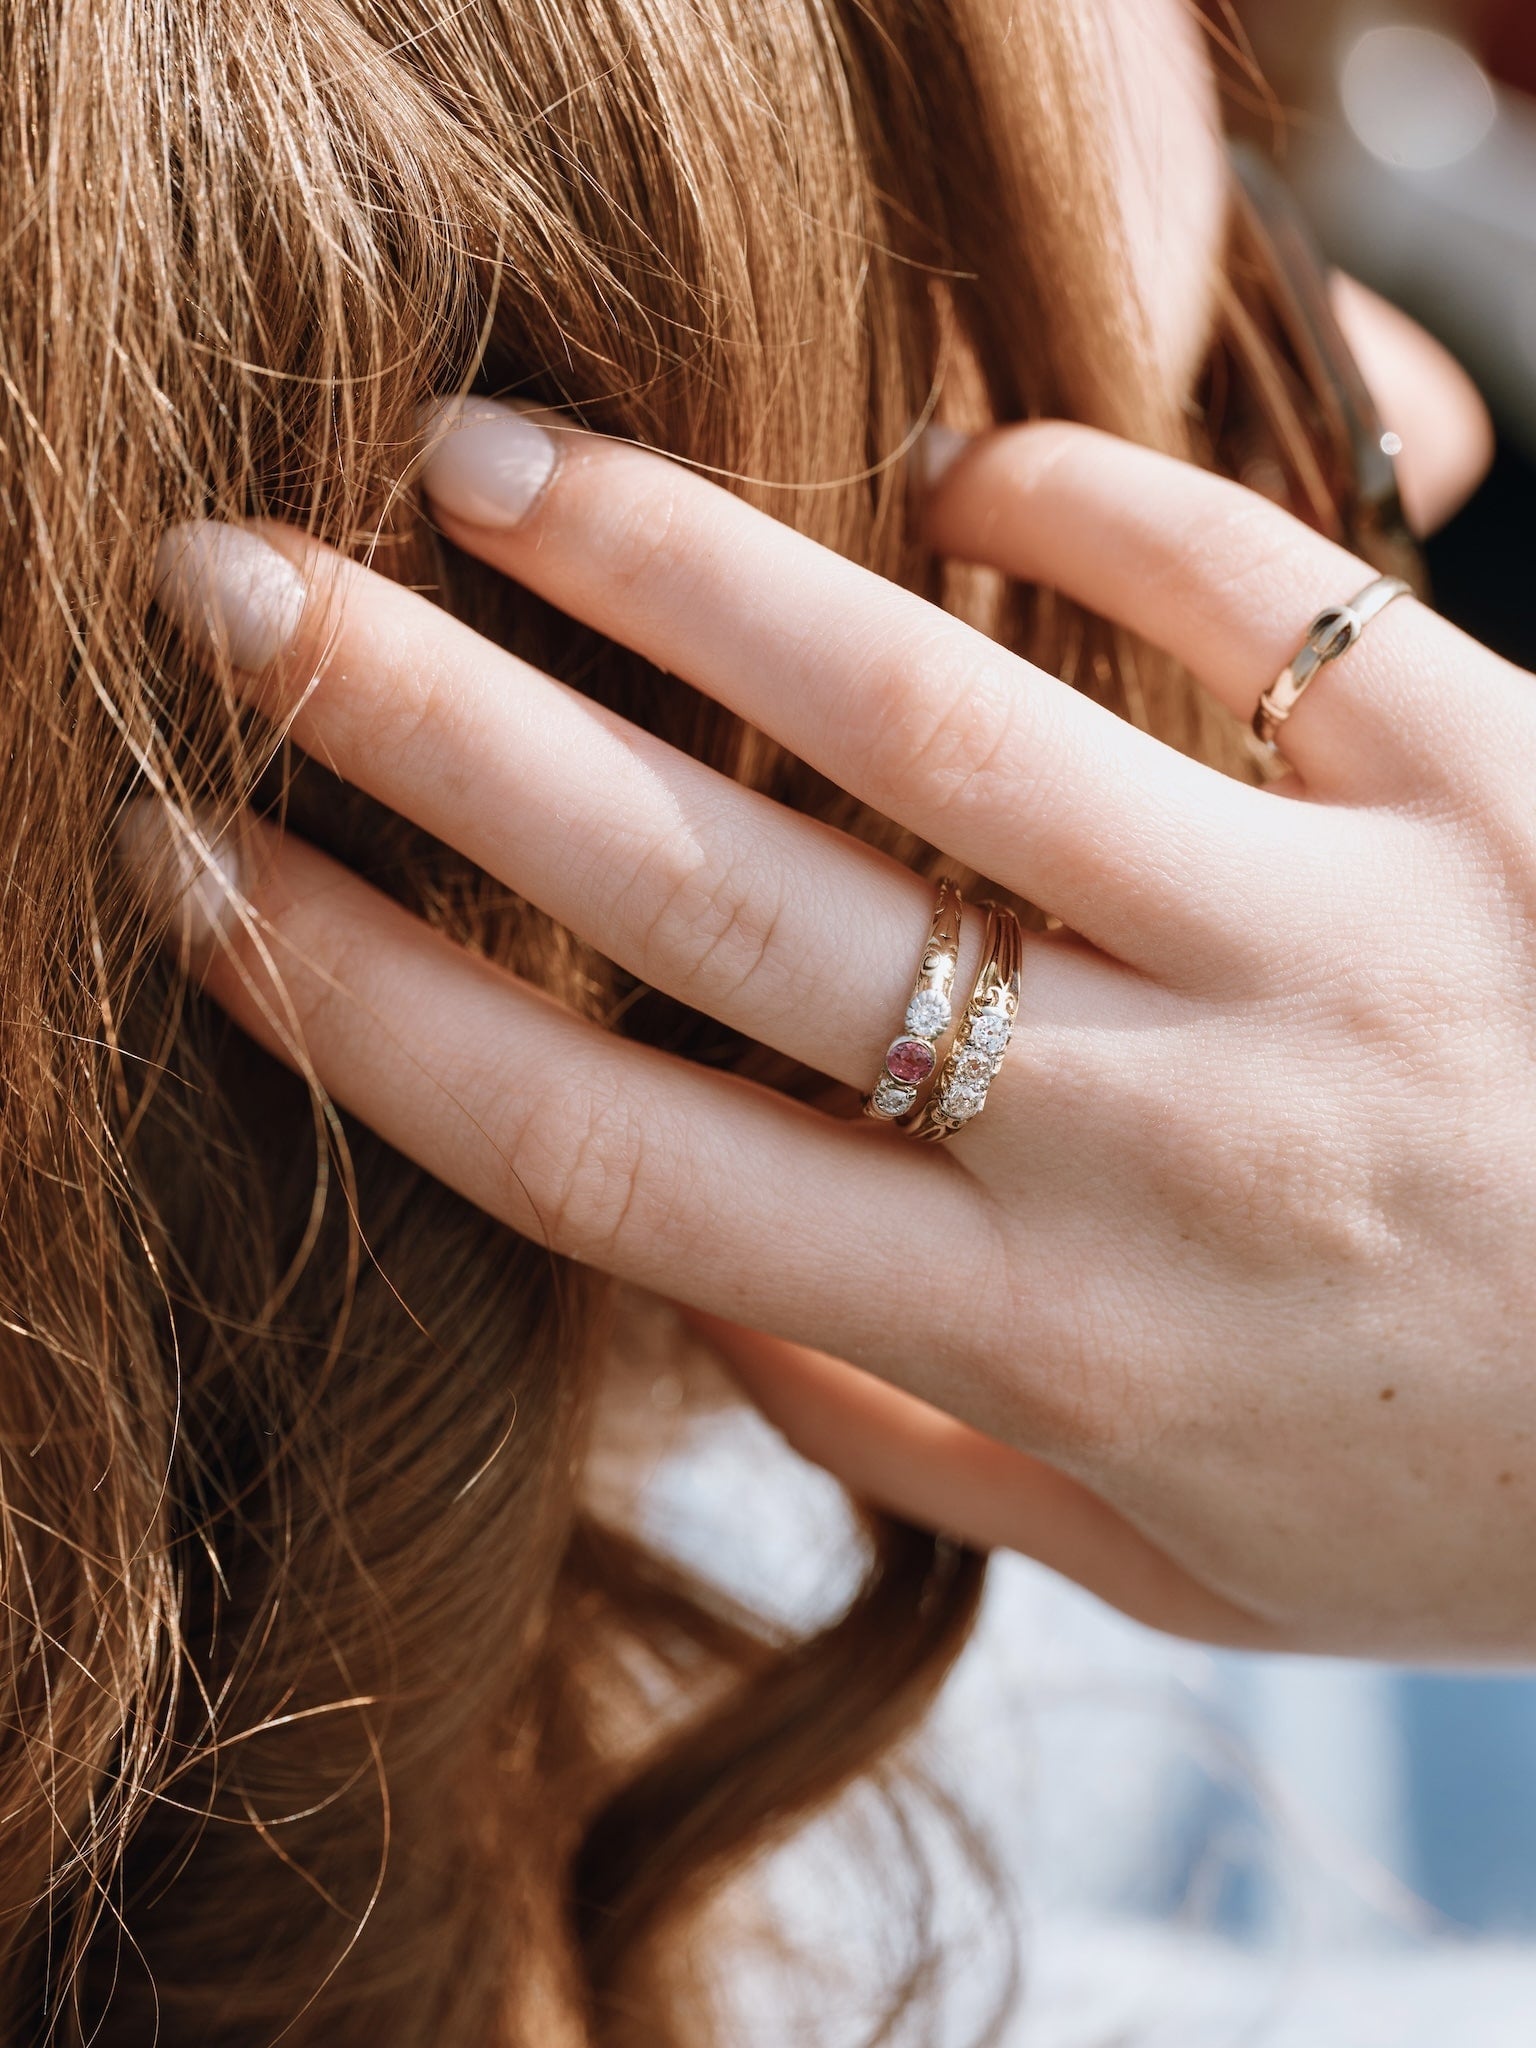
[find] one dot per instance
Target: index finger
(1002, 766)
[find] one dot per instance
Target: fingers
(1006, 768)
(1423, 395)
(888, 1447)
(795, 934)
(1228, 584)
(687, 1181)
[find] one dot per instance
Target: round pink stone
(910, 1060)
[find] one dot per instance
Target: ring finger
(682, 1179)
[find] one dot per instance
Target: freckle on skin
(1389, 1393)
(1505, 1478)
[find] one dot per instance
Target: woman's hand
(1228, 1299)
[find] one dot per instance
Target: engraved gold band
(1332, 633)
(960, 1094)
(912, 1055)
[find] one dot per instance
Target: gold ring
(960, 1094)
(912, 1055)
(1330, 634)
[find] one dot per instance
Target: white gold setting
(912, 1056)
(891, 1099)
(929, 1012)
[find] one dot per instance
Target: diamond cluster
(973, 1064)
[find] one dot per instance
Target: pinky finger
(679, 1178)
(891, 1448)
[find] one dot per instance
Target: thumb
(891, 1448)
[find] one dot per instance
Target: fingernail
(487, 463)
(186, 870)
(228, 591)
(937, 450)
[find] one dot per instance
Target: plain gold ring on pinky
(960, 1093)
(912, 1055)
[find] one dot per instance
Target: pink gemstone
(909, 1061)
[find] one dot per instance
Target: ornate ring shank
(982, 1038)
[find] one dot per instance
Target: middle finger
(1007, 768)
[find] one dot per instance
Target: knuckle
(1227, 553)
(1071, 1387)
(1278, 1189)
(310, 972)
(1486, 834)
(708, 929)
(937, 729)
(1092, 1411)
(581, 1159)
(406, 718)
(1252, 1173)
(638, 536)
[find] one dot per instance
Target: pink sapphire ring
(912, 1055)
(982, 1038)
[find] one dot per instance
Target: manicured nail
(486, 463)
(228, 592)
(939, 448)
(186, 870)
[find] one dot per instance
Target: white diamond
(963, 1098)
(928, 1013)
(894, 1101)
(971, 1065)
(989, 1031)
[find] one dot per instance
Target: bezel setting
(912, 1057)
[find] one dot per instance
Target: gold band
(911, 1056)
(960, 1093)
(1330, 634)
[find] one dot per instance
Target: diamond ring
(912, 1055)
(982, 1038)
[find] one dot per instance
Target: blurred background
(1408, 131)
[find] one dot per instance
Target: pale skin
(1226, 1306)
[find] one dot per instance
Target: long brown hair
(329, 1706)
